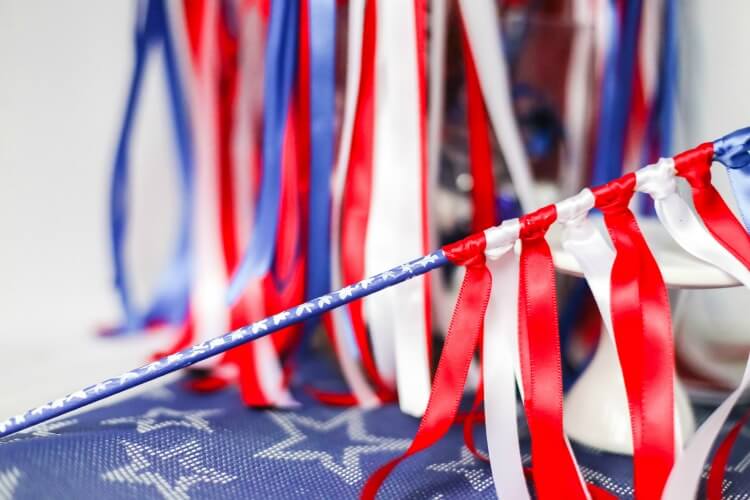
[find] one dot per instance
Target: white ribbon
(397, 319)
(485, 39)
(500, 363)
(209, 312)
(658, 180)
(341, 324)
(686, 473)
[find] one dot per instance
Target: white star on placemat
(159, 418)
(474, 471)
(184, 462)
(347, 466)
(43, 430)
(9, 482)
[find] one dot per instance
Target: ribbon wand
(218, 345)
(730, 150)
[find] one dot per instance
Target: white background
(64, 70)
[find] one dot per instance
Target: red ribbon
(553, 466)
(643, 334)
(695, 166)
(357, 190)
(714, 485)
(460, 343)
(480, 148)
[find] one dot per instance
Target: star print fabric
(169, 443)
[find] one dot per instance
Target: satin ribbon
(280, 66)
(170, 300)
(658, 180)
(322, 93)
(486, 42)
(460, 345)
(715, 481)
(500, 364)
(643, 334)
(338, 322)
(554, 467)
(480, 149)
(695, 166)
(398, 320)
(687, 471)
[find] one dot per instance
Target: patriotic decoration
(307, 218)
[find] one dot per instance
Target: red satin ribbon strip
(695, 166)
(643, 334)
(715, 482)
(553, 466)
(461, 342)
(480, 148)
(420, 18)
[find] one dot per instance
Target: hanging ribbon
(480, 18)
(500, 364)
(398, 320)
(322, 93)
(460, 344)
(170, 300)
(280, 66)
(480, 149)
(695, 166)
(338, 323)
(687, 471)
(644, 346)
(554, 467)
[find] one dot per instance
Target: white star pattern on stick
(9, 482)
(475, 472)
(347, 467)
(160, 418)
(187, 456)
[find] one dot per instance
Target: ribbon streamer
(643, 334)
(170, 300)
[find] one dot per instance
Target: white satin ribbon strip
(209, 312)
(346, 349)
(485, 39)
(687, 471)
(500, 359)
(394, 229)
(658, 180)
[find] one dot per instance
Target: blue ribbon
(733, 151)
(617, 93)
(170, 300)
(322, 15)
(280, 66)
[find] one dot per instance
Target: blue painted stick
(221, 344)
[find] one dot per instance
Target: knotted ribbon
(643, 334)
(695, 166)
(554, 468)
(460, 344)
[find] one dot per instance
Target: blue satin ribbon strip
(170, 301)
(280, 67)
(322, 15)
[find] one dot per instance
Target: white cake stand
(596, 408)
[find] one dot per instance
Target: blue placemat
(174, 444)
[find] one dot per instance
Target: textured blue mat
(170, 443)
